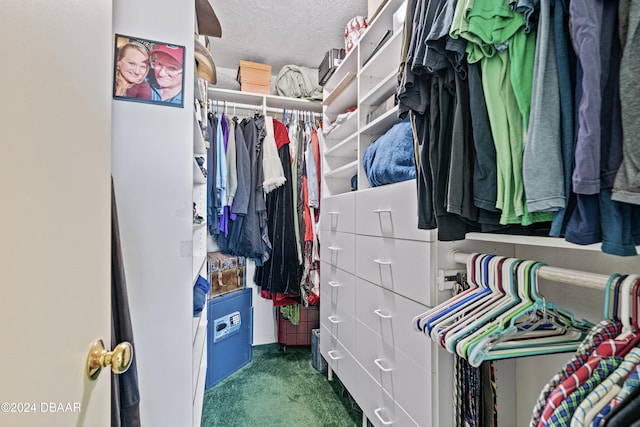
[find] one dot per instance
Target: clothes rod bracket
(448, 278)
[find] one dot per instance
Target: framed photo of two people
(148, 71)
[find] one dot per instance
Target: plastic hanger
(420, 320)
(498, 296)
(527, 339)
(634, 310)
(522, 274)
(628, 331)
(440, 328)
(635, 329)
(500, 321)
(479, 276)
(616, 297)
(510, 297)
(607, 296)
(550, 329)
(473, 329)
(494, 285)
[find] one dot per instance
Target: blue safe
(229, 334)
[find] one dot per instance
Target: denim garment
(566, 62)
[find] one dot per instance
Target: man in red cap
(166, 61)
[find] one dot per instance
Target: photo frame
(148, 71)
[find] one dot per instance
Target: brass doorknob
(119, 359)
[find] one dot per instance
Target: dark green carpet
(278, 389)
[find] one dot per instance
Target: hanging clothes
(627, 184)
(565, 60)
(273, 174)
(281, 274)
(545, 193)
(125, 393)
(254, 241)
(269, 209)
(212, 193)
(221, 171)
(230, 243)
(550, 108)
(303, 135)
(605, 330)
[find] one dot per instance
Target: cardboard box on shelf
(254, 73)
(255, 88)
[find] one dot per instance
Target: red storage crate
(299, 335)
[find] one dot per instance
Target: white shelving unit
(199, 256)
(541, 241)
(376, 263)
(363, 81)
(370, 240)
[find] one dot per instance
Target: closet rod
(254, 107)
(555, 274)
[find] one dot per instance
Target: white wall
(265, 324)
(152, 168)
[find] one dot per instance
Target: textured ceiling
(281, 32)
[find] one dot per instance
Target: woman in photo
(132, 67)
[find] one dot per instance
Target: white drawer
(340, 323)
(378, 406)
(338, 213)
(338, 249)
(390, 211)
(339, 359)
(389, 315)
(403, 266)
(404, 380)
(337, 287)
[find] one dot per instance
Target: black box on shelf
(331, 60)
(379, 110)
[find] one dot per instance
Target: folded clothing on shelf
(390, 158)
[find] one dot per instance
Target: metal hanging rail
(241, 106)
(555, 274)
(224, 105)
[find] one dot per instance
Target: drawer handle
(382, 420)
(334, 248)
(379, 211)
(382, 368)
(381, 315)
(382, 262)
(332, 355)
(335, 213)
(334, 319)
(334, 284)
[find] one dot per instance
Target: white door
(55, 124)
